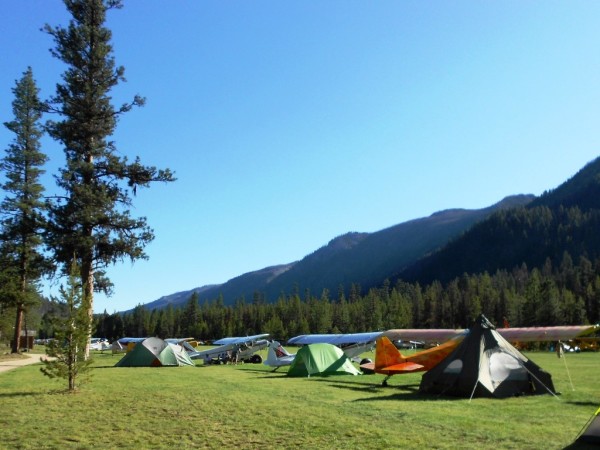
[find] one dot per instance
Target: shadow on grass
(23, 394)
(594, 404)
(399, 392)
(581, 446)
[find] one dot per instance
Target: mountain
(367, 259)
(364, 259)
(177, 298)
(564, 220)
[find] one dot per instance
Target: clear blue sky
(291, 123)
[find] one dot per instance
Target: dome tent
(486, 365)
(321, 359)
(154, 352)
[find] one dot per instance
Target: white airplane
(99, 344)
(278, 356)
(234, 349)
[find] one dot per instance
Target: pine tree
(67, 351)
(23, 208)
(92, 220)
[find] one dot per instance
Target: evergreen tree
(22, 209)
(92, 220)
(67, 351)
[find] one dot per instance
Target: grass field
(248, 406)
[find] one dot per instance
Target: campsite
(249, 406)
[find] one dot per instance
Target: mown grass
(249, 406)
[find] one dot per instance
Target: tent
(154, 352)
(591, 433)
(321, 359)
(486, 365)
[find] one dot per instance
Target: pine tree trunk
(18, 327)
(87, 278)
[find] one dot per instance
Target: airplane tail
(275, 352)
(386, 354)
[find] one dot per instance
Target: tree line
(565, 294)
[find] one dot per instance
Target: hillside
(365, 259)
(565, 219)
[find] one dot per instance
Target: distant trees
(22, 210)
(567, 294)
(91, 221)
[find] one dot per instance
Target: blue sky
(291, 123)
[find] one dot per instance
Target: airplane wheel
(256, 359)
(366, 371)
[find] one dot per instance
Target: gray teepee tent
(486, 365)
(154, 352)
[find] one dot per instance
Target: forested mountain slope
(362, 259)
(566, 219)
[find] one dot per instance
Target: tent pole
(529, 372)
(568, 373)
(482, 345)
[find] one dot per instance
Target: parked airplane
(353, 344)
(278, 356)
(234, 349)
(390, 361)
(99, 344)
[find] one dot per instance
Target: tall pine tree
(92, 220)
(23, 219)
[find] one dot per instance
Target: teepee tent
(591, 434)
(321, 359)
(154, 352)
(486, 365)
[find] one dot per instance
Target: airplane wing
(335, 339)
(127, 340)
(213, 352)
(240, 340)
(537, 334)
(423, 335)
(524, 334)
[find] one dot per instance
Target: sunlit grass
(249, 406)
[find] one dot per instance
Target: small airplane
(99, 344)
(125, 344)
(234, 349)
(390, 361)
(353, 344)
(278, 356)
(185, 343)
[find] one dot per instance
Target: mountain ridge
(363, 259)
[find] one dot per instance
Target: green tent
(321, 359)
(154, 352)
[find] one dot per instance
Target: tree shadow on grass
(23, 394)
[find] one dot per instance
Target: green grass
(248, 406)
